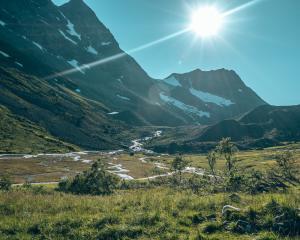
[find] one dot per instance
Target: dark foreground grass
(160, 213)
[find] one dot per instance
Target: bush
(5, 184)
(178, 165)
(258, 182)
(286, 164)
(234, 182)
(95, 181)
(227, 149)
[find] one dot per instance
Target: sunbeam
(116, 56)
(145, 46)
(242, 7)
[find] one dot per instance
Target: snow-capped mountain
(63, 62)
(212, 95)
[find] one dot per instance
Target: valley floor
(43, 168)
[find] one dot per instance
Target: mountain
(262, 127)
(60, 111)
(45, 40)
(213, 95)
(73, 37)
(64, 71)
(18, 135)
(268, 122)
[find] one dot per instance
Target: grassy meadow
(160, 213)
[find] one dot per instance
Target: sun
(206, 21)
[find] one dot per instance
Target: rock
(243, 226)
(227, 208)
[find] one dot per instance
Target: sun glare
(206, 21)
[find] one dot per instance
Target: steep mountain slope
(61, 111)
(48, 41)
(18, 135)
(44, 40)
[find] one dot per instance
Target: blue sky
(260, 42)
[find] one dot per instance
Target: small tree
(178, 165)
(227, 149)
(5, 183)
(95, 181)
(212, 160)
(286, 163)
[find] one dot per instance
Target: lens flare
(206, 21)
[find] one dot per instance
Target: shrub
(95, 181)
(286, 163)
(5, 184)
(178, 165)
(212, 160)
(227, 149)
(234, 182)
(258, 182)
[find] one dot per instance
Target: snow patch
(157, 133)
(66, 37)
(92, 50)
(172, 81)
(71, 28)
(87, 161)
(136, 146)
(113, 113)
(106, 43)
(125, 176)
(4, 54)
(240, 90)
(74, 63)
(78, 90)
(122, 97)
(2, 23)
(38, 45)
(119, 171)
(183, 106)
(208, 97)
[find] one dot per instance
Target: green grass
(160, 213)
(18, 135)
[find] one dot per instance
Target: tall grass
(159, 213)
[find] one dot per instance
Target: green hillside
(18, 135)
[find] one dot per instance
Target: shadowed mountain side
(18, 135)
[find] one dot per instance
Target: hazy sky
(260, 42)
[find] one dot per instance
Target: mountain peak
(76, 2)
(78, 6)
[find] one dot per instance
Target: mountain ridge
(73, 37)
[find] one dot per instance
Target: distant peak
(75, 2)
